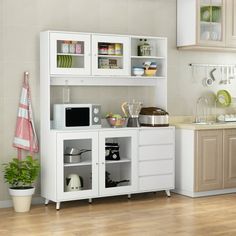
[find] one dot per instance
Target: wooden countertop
(207, 126)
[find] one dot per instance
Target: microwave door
(77, 116)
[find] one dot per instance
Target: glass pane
(70, 54)
(77, 165)
(110, 55)
(118, 162)
(211, 20)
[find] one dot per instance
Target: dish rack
(227, 118)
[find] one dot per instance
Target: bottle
(145, 48)
(72, 47)
(65, 47)
(139, 47)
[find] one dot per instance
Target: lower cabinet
(206, 162)
(91, 164)
(156, 163)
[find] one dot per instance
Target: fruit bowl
(117, 122)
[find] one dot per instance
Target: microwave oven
(72, 116)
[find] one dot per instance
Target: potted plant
(20, 175)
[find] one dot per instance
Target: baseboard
(8, 203)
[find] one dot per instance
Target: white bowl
(138, 71)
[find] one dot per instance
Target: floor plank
(145, 214)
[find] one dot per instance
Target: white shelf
(70, 54)
(82, 163)
(112, 56)
(147, 57)
(120, 161)
(210, 23)
(105, 80)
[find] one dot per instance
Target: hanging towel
(25, 135)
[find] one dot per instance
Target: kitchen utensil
(153, 116)
(207, 81)
(112, 151)
(131, 110)
(74, 182)
(111, 183)
(211, 74)
(223, 98)
(73, 155)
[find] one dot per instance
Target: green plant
(20, 174)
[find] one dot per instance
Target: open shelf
(117, 162)
(82, 163)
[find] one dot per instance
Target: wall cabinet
(205, 24)
(101, 59)
(231, 23)
(205, 162)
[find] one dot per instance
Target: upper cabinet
(70, 54)
(71, 58)
(110, 55)
(231, 23)
(208, 24)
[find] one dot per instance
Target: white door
(70, 54)
(77, 180)
(117, 162)
(110, 55)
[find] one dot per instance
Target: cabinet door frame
(231, 23)
(210, 43)
(201, 165)
(86, 38)
(103, 191)
(229, 139)
(73, 195)
(125, 40)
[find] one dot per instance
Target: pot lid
(153, 111)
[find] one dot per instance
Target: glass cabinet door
(212, 22)
(118, 162)
(70, 54)
(77, 165)
(110, 55)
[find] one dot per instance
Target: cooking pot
(153, 117)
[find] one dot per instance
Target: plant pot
(21, 198)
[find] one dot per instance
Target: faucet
(202, 104)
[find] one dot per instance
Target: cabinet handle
(97, 163)
(103, 163)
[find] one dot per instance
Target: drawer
(160, 182)
(156, 152)
(156, 167)
(156, 136)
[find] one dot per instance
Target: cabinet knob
(103, 163)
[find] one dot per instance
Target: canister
(118, 49)
(111, 49)
(65, 47)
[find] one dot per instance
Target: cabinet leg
(90, 200)
(129, 196)
(46, 201)
(168, 193)
(58, 206)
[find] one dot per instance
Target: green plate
(223, 98)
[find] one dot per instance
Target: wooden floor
(145, 214)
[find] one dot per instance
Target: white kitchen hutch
(146, 154)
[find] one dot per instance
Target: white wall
(22, 20)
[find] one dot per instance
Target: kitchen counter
(207, 126)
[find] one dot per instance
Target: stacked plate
(64, 61)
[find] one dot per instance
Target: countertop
(213, 125)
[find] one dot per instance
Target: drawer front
(152, 137)
(147, 168)
(161, 182)
(156, 152)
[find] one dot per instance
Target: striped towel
(25, 135)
